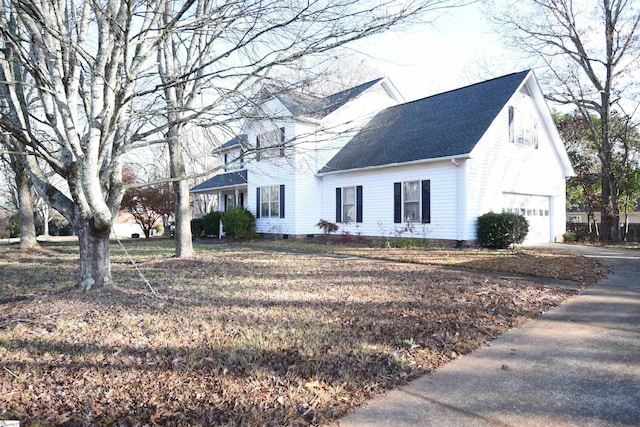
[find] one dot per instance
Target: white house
(378, 166)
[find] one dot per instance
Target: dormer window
(232, 159)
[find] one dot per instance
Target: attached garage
(536, 210)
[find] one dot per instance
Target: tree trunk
(606, 217)
(166, 225)
(25, 202)
(615, 211)
(625, 228)
(184, 245)
(95, 268)
(45, 219)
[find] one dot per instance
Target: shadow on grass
(243, 337)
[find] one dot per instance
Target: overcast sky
(460, 48)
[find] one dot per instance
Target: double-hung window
(412, 201)
(270, 201)
(349, 204)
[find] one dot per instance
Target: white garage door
(536, 210)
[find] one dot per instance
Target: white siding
(498, 168)
(461, 189)
(270, 171)
(314, 144)
(377, 188)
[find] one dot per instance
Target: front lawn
(235, 336)
(523, 261)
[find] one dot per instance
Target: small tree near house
(327, 227)
(147, 205)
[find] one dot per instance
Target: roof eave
(209, 189)
(308, 120)
(389, 165)
(228, 148)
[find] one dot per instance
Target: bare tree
(82, 83)
(591, 52)
(20, 192)
(226, 49)
(336, 71)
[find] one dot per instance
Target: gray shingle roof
(300, 104)
(440, 126)
(230, 179)
(236, 141)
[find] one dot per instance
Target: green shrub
(196, 227)
(569, 237)
(211, 223)
(500, 230)
(238, 223)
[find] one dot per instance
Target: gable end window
(412, 201)
(349, 204)
(523, 127)
(270, 201)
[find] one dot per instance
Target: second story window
(232, 160)
(271, 144)
(523, 127)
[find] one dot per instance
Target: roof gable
(449, 124)
(232, 143)
(299, 104)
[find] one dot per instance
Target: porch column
(235, 195)
(220, 202)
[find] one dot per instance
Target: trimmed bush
(238, 223)
(211, 223)
(569, 237)
(501, 230)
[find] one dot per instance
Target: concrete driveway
(576, 365)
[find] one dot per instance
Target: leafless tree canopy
(590, 57)
(84, 82)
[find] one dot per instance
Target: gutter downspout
(461, 201)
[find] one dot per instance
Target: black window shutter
(338, 204)
(512, 131)
(282, 139)
(359, 203)
(397, 202)
(426, 201)
(258, 148)
(282, 201)
(257, 202)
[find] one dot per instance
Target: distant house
(378, 166)
(125, 226)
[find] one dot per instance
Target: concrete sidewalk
(577, 365)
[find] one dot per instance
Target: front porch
(220, 193)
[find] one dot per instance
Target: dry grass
(524, 261)
(237, 336)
